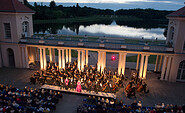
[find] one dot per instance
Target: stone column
(50, 55)
(101, 61)
(156, 63)
(104, 60)
(98, 65)
(163, 68)
(168, 68)
(141, 66)
(119, 63)
(63, 59)
(137, 64)
(45, 60)
(53, 54)
(145, 67)
(59, 59)
(27, 60)
(160, 64)
(23, 57)
(37, 54)
(83, 60)
(79, 59)
(123, 63)
(69, 55)
(67, 58)
(87, 56)
(41, 59)
(1, 60)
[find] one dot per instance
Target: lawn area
(151, 60)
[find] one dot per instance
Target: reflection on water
(112, 30)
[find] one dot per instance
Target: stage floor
(84, 92)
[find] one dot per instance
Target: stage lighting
(113, 58)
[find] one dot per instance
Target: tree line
(54, 11)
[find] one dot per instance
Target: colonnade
(163, 62)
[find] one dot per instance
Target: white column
(141, 66)
(119, 63)
(98, 65)
(145, 67)
(163, 68)
(37, 54)
(26, 57)
(123, 63)
(63, 59)
(69, 55)
(168, 68)
(103, 55)
(83, 60)
(59, 59)
(101, 61)
(160, 64)
(156, 63)
(50, 55)
(45, 60)
(1, 60)
(137, 65)
(53, 54)
(87, 57)
(67, 58)
(104, 60)
(23, 57)
(79, 59)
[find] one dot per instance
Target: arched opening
(11, 57)
(171, 35)
(181, 71)
(25, 29)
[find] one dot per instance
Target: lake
(136, 30)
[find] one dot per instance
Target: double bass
(140, 88)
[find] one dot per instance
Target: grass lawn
(151, 60)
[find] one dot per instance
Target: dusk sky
(121, 4)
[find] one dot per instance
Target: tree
(52, 4)
(35, 4)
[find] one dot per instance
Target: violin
(140, 88)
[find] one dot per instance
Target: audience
(102, 105)
(28, 100)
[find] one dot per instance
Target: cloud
(111, 1)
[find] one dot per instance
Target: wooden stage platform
(84, 92)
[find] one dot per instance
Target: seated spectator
(102, 100)
(134, 104)
(139, 104)
(112, 103)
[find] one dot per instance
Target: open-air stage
(84, 92)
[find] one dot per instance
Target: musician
(78, 87)
(131, 92)
(144, 87)
(89, 84)
(66, 83)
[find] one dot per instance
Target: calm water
(101, 30)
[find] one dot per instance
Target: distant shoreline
(117, 6)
